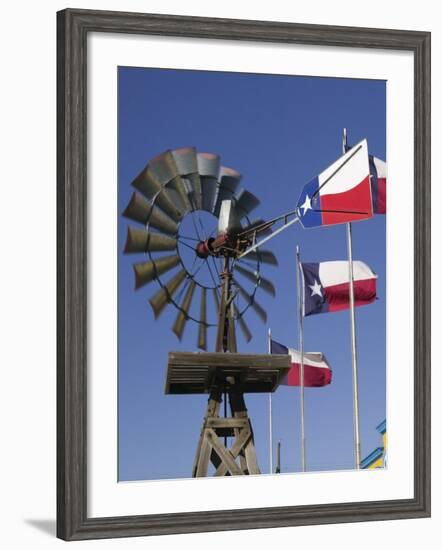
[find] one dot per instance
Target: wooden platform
(190, 373)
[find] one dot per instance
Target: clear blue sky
(279, 132)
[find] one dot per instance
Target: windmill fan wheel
(177, 203)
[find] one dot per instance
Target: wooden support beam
(224, 454)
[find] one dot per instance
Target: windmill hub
(203, 248)
(223, 245)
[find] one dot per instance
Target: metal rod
(265, 225)
(260, 243)
(269, 350)
(300, 281)
(278, 459)
(354, 361)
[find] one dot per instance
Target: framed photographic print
(243, 274)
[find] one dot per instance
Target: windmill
(172, 192)
(178, 185)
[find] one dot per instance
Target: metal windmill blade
(202, 327)
(208, 168)
(141, 211)
(246, 202)
(257, 279)
(183, 313)
(140, 240)
(164, 296)
(228, 182)
(187, 166)
(242, 324)
(145, 272)
(150, 186)
(263, 256)
(165, 169)
(216, 299)
(251, 301)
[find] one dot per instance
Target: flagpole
(278, 459)
(269, 350)
(301, 349)
(354, 361)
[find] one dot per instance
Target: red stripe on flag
(357, 199)
(382, 196)
(313, 376)
(337, 296)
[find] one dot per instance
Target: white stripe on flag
(381, 167)
(336, 273)
(311, 359)
(351, 174)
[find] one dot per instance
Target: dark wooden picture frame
(73, 27)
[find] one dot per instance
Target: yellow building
(378, 457)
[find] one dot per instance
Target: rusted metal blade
(246, 202)
(202, 327)
(185, 160)
(263, 256)
(140, 240)
(148, 184)
(250, 299)
(163, 297)
(147, 271)
(256, 278)
(182, 317)
(208, 164)
(228, 182)
(242, 324)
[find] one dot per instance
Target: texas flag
(378, 180)
(340, 194)
(326, 286)
(317, 371)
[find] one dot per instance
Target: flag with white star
(341, 193)
(326, 286)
